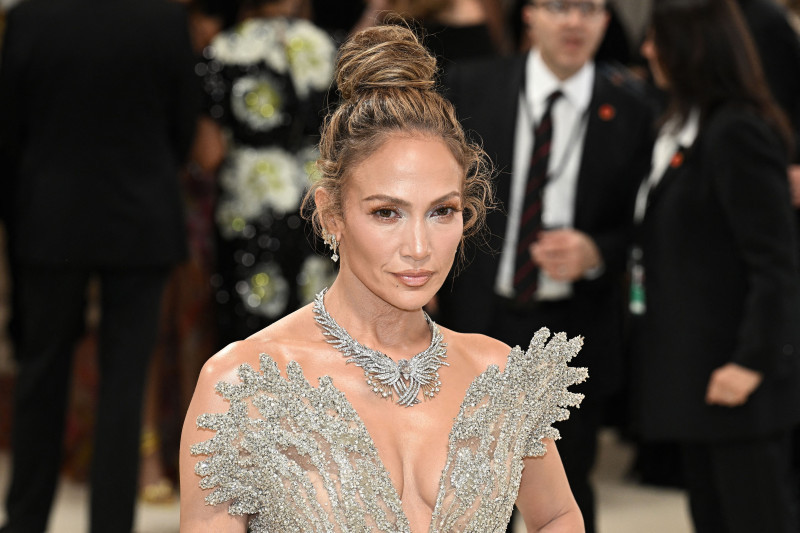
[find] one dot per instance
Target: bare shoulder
(223, 365)
(284, 340)
(280, 340)
(481, 350)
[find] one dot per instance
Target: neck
(399, 333)
(562, 74)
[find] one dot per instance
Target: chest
(297, 457)
(411, 443)
(685, 212)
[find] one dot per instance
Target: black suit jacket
(616, 155)
(721, 285)
(98, 100)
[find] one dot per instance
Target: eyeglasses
(560, 7)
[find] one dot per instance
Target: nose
(574, 16)
(416, 245)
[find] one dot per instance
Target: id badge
(636, 299)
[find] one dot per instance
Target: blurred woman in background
(718, 369)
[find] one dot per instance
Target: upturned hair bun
(387, 81)
(384, 57)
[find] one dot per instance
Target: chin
(577, 62)
(412, 298)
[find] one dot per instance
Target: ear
(330, 221)
(528, 14)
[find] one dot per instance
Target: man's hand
(731, 385)
(565, 254)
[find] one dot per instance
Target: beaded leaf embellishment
(299, 458)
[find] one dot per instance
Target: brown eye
(445, 210)
(384, 212)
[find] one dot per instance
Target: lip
(413, 278)
(572, 41)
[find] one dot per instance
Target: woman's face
(402, 220)
(650, 52)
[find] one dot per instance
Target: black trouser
(578, 445)
(51, 305)
(742, 486)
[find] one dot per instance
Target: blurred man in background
(98, 103)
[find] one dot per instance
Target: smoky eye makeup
(447, 209)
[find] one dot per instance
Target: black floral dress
(265, 82)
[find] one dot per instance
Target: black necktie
(526, 274)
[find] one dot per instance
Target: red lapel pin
(606, 112)
(677, 160)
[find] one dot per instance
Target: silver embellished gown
(298, 458)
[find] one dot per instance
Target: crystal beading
(295, 457)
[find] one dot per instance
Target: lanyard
(577, 133)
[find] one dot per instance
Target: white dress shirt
(570, 116)
(671, 137)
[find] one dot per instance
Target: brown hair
(708, 55)
(386, 80)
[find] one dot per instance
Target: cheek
(374, 244)
(596, 39)
(449, 238)
(362, 240)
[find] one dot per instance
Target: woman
(400, 189)
(719, 369)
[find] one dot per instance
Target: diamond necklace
(405, 378)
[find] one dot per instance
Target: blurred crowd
(155, 153)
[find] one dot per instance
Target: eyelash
(378, 212)
(381, 211)
(451, 210)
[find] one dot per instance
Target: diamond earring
(330, 240)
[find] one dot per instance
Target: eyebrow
(404, 203)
